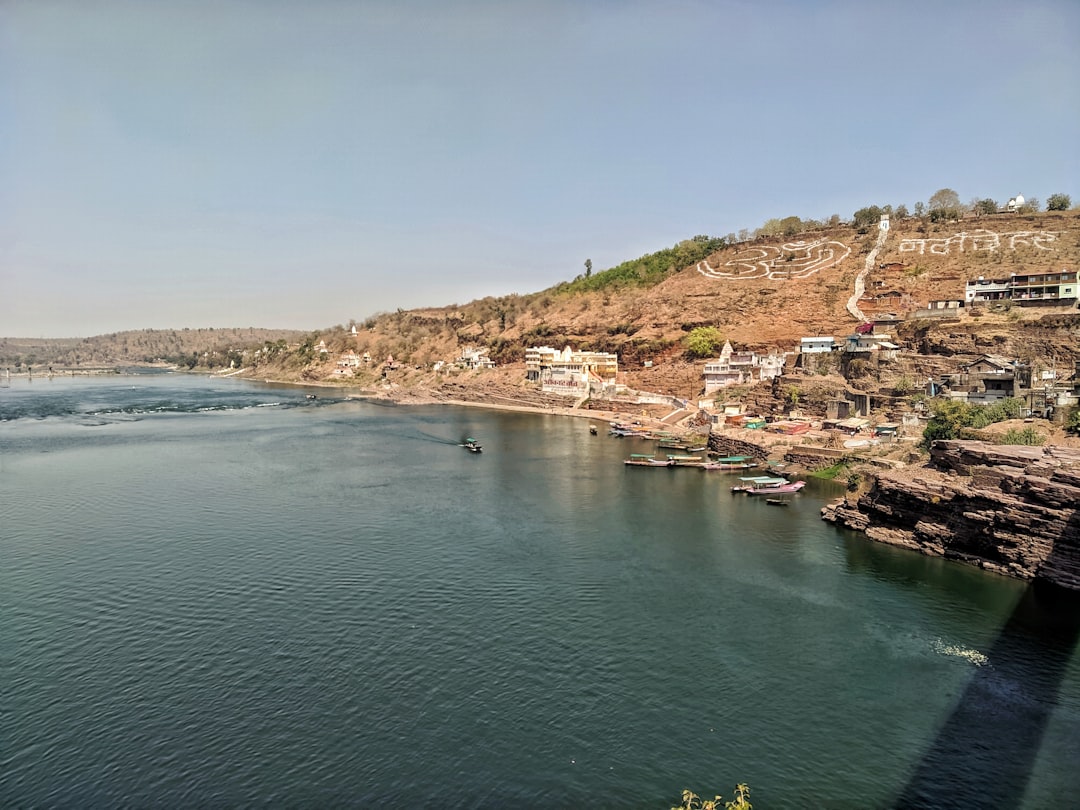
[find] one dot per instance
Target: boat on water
(686, 461)
(730, 463)
(760, 482)
(787, 486)
(777, 501)
(592, 429)
(472, 445)
(648, 461)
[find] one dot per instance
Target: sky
(235, 163)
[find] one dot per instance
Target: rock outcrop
(1005, 508)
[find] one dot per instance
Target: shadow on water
(984, 754)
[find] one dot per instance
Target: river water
(216, 593)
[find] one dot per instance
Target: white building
(872, 342)
(817, 345)
(569, 372)
(737, 368)
(474, 358)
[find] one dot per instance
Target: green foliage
(691, 801)
(831, 473)
(986, 206)
(1028, 436)
(703, 341)
(983, 415)
(649, 269)
(1058, 202)
(1072, 425)
(866, 218)
(954, 419)
(904, 386)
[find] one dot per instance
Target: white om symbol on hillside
(980, 239)
(790, 260)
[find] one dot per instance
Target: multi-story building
(1026, 288)
(568, 371)
(988, 379)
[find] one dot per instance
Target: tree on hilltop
(944, 205)
(1030, 206)
(1058, 202)
(866, 218)
(985, 206)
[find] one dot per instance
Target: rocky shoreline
(1010, 509)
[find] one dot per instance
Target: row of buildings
(1057, 287)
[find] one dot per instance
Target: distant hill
(204, 347)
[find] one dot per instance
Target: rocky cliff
(1006, 508)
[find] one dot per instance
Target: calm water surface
(214, 593)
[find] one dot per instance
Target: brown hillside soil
(756, 303)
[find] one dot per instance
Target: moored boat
(648, 461)
(793, 486)
(685, 461)
(759, 482)
(730, 463)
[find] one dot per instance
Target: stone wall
(1006, 508)
(815, 458)
(730, 446)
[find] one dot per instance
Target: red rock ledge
(1006, 508)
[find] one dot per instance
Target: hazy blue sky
(298, 164)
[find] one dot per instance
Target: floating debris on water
(974, 656)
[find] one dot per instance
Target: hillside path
(860, 280)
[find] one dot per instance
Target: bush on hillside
(704, 341)
(954, 419)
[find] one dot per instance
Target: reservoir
(218, 593)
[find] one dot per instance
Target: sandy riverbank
(485, 398)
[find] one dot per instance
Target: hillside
(760, 294)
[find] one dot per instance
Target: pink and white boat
(793, 486)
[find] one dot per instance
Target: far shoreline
(407, 399)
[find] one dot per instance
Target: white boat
(753, 482)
